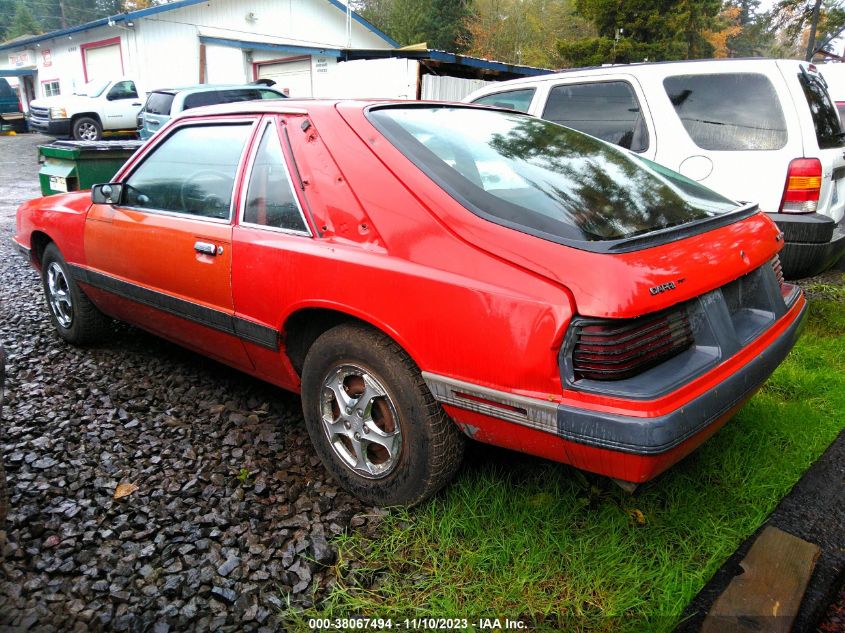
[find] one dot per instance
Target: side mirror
(109, 193)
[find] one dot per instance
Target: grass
(561, 550)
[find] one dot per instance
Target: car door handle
(139, 103)
(207, 249)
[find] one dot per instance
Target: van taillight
(803, 185)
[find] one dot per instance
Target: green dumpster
(74, 165)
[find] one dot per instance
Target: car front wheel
(75, 318)
(87, 129)
(373, 421)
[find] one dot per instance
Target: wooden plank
(766, 597)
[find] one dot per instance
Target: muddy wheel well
(39, 242)
(305, 326)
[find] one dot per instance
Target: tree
(523, 31)
(793, 21)
(728, 25)
(439, 23)
(23, 22)
(407, 21)
(656, 29)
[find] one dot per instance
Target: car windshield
(542, 178)
(93, 88)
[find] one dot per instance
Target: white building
(294, 42)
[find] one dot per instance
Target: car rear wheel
(373, 421)
(75, 318)
(87, 129)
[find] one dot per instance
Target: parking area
(232, 509)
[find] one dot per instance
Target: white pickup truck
(105, 105)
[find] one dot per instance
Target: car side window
(270, 94)
(192, 171)
(519, 100)
(123, 90)
(270, 199)
(728, 111)
(608, 110)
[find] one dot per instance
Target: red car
(422, 271)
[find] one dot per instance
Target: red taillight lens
(803, 185)
(617, 349)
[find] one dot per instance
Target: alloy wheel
(360, 421)
(61, 302)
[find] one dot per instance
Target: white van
(758, 130)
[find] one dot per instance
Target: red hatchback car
(422, 271)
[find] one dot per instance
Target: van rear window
(159, 103)
(825, 117)
(728, 111)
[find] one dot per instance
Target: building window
(50, 88)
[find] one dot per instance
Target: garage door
(103, 62)
(291, 77)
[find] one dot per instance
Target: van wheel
(373, 421)
(87, 129)
(75, 318)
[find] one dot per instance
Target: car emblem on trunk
(656, 290)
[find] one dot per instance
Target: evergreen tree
(23, 22)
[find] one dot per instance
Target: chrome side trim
(535, 414)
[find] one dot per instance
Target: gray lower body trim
(209, 317)
(622, 433)
(23, 250)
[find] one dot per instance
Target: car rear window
(159, 103)
(608, 110)
(728, 111)
(519, 100)
(825, 117)
(541, 178)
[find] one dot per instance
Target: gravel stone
(192, 549)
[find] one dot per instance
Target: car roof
(700, 65)
(302, 106)
(213, 87)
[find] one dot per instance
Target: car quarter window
(123, 90)
(270, 199)
(519, 100)
(192, 171)
(608, 110)
(728, 111)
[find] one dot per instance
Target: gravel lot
(231, 520)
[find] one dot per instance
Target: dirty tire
(87, 324)
(431, 445)
(87, 129)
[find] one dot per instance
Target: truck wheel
(373, 421)
(75, 318)
(87, 129)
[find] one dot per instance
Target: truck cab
(102, 105)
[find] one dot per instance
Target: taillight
(617, 349)
(803, 185)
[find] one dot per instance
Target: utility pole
(814, 22)
(62, 13)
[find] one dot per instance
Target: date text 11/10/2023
(415, 624)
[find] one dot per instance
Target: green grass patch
(562, 550)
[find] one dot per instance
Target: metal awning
(17, 72)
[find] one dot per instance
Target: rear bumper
(53, 128)
(813, 243)
(633, 448)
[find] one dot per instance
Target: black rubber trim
(809, 228)
(651, 436)
(216, 319)
(23, 250)
(801, 260)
